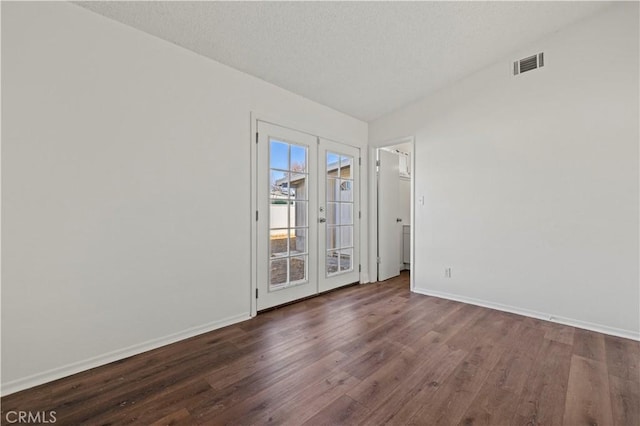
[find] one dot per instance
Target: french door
(338, 195)
(308, 211)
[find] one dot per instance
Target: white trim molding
(627, 334)
(100, 360)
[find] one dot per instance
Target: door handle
(322, 220)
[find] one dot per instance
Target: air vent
(528, 64)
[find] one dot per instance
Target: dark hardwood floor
(372, 354)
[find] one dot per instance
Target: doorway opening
(394, 209)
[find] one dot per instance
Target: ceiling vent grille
(528, 64)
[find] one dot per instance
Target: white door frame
(253, 177)
(373, 206)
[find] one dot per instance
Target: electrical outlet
(447, 272)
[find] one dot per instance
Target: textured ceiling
(365, 59)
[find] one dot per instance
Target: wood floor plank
(588, 344)
(383, 378)
(157, 406)
(427, 340)
(498, 397)
(456, 393)
(625, 401)
(369, 354)
(449, 325)
(413, 331)
(523, 338)
(253, 406)
(271, 375)
(299, 321)
(588, 400)
(334, 361)
(494, 327)
(265, 353)
(560, 333)
(130, 373)
(343, 411)
(435, 363)
(543, 399)
(380, 356)
(623, 357)
(315, 398)
(180, 417)
(129, 393)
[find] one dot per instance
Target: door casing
(373, 209)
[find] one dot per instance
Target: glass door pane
(288, 211)
(339, 201)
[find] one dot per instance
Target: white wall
(531, 182)
(121, 154)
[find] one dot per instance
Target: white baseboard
(87, 364)
(627, 334)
